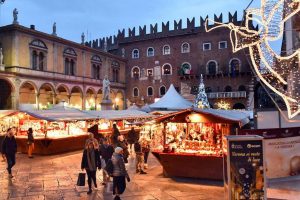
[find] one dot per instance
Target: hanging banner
(245, 168)
(282, 150)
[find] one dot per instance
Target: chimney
(32, 27)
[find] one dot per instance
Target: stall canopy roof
(119, 114)
(171, 101)
(213, 115)
(59, 114)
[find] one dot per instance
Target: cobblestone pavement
(54, 177)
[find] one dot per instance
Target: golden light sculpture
(279, 73)
(223, 105)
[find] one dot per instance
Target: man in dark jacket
(9, 149)
(139, 156)
(106, 151)
(133, 137)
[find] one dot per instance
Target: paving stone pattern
(55, 177)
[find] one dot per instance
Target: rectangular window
(223, 45)
(149, 72)
(206, 46)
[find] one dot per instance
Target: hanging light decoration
(279, 73)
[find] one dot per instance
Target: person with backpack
(106, 151)
(119, 173)
(90, 162)
(9, 149)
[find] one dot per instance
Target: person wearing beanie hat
(118, 150)
(119, 173)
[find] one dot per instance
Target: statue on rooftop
(54, 29)
(82, 38)
(15, 15)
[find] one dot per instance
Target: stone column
(54, 99)
(83, 101)
(37, 101)
(95, 98)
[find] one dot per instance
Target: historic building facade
(179, 56)
(40, 70)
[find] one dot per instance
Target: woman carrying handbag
(90, 162)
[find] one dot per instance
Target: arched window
(135, 73)
(185, 48)
(70, 61)
(34, 60)
(166, 50)
(212, 67)
(228, 89)
(96, 71)
(67, 66)
(135, 53)
(150, 91)
(162, 90)
(41, 61)
(38, 50)
(96, 66)
(167, 69)
(72, 67)
(242, 88)
(150, 52)
(186, 68)
(135, 92)
(116, 68)
(234, 66)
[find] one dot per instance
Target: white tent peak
(172, 100)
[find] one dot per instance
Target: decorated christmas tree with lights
(201, 100)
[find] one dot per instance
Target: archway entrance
(27, 95)
(62, 94)
(76, 98)
(239, 106)
(90, 100)
(46, 96)
(5, 95)
(99, 99)
(119, 101)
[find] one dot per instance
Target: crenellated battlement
(112, 42)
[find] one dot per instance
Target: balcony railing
(57, 76)
(224, 95)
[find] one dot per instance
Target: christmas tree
(201, 98)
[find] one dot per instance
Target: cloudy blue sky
(104, 17)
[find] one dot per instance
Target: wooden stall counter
(48, 146)
(191, 165)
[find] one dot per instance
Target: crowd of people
(109, 154)
(114, 152)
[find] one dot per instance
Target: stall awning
(119, 114)
(59, 115)
(4, 113)
(208, 115)
(172, 100)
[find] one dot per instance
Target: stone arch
(239, 106)
(28, 94)
(76, 97)
(90, 100)
(62, 93)
(212, 67)
(119, 100)
(99, 98)
(46, 96)
(6, 92)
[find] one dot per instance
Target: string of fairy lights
(279, 73)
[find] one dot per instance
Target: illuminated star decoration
(279, 73)
(223, 105)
